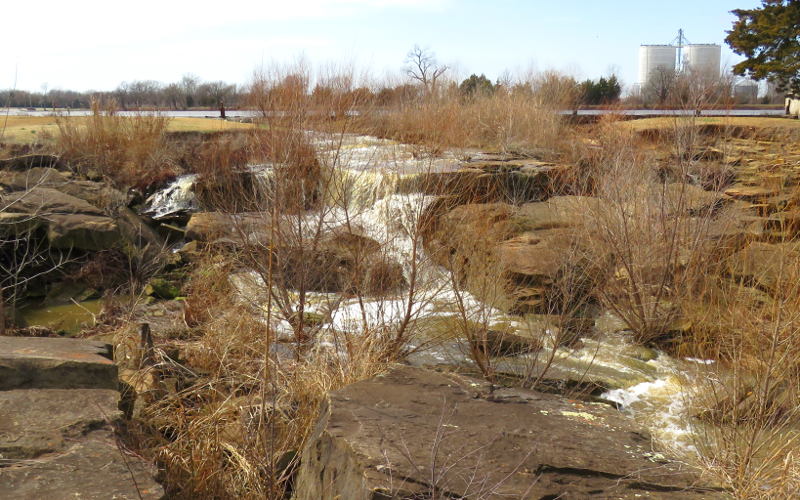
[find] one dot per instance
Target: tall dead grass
(692, 275)
(521, 117)
(259, 353)
(128, 150)
(243, 404)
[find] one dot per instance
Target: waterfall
(177, 197)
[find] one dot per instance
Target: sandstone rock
(784, 225)
(495, 343)
(753, 194)
(39, 421)
(342, 259)
(93, 467)
(414, 433)
(84, 232)
(493, 180)
(70, 221)
(218, 227)
(46, 201)
(26, 162)
(692, 200)
(558, 212)
(454, 232)
(99, 194)
(58, 409)
(533, 246)
(55, 363)
(766, 265)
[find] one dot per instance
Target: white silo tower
(703, 59)
(654, 57)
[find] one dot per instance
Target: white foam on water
(661, 405)
(177, 197)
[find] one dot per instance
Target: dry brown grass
(520, 119)
(677, 280)
(44, 129)
(129, 151)
(755, 122)
(243, 405)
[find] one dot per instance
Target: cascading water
(178, 197)
(370, 193)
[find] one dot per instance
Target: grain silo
(653, 58)
(702, 59)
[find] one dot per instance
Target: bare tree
(660, 82)
(421, 65)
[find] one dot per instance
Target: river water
(650, 385)
(243, 113)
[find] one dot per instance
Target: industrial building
(745, 91)
(654, 58)
(701, 59)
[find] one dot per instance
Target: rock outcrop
(58, 411)
(768, 266)
(494, 178)
(532, 245)
(70, 222)
(340, 260)
(75, 214)
(415, 433)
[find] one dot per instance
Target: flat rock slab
(34, 422)
(416, 433)
(55, 363)
(60, 444)
(92, 467)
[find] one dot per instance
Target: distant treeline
(189, 92)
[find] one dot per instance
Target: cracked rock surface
(58, 412)
(416, 433)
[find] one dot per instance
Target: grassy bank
(32, 129)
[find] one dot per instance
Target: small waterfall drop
(176, 198)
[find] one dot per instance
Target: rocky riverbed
(402, 221)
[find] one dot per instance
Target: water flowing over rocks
(413, 433)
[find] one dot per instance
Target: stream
(375, 175)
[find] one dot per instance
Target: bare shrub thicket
(655, 232)
(519, 116)
(303, 295)
(750, 409)
(676, 280)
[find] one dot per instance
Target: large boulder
(768, 266)
(501, 179)
(98, 194)
(340, 260)
(224, 228)
(343, 260)
(70, 222)
(415, 433)
(29, 161)
(532, 246)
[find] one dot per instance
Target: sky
(96, 44)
